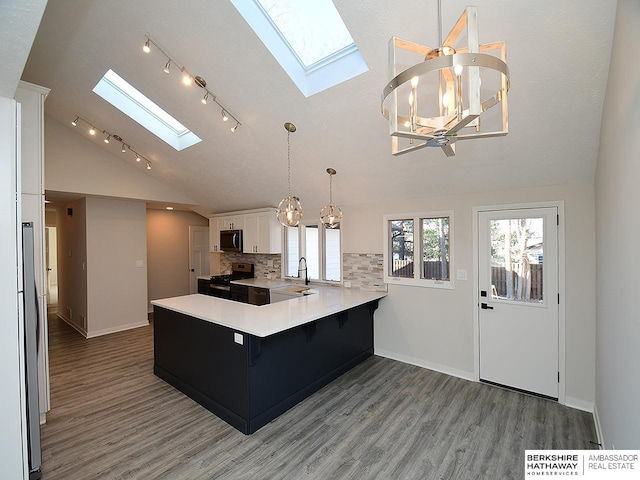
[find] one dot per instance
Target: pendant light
(289, 210)
(331, 215)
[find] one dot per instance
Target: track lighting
(188, 79)
(124, 145)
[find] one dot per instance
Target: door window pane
(401, 244)
(517, 259)
(435, 248)
(332, 254)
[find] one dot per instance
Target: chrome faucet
(306, 271)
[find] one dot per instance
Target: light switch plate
(139, 263)
(238, 338)
(461, 274)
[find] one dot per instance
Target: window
(308, 39)
(130, 101)
(321, 248)
(418, 249)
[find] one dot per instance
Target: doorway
(198, 255)
(518, 320)
(51, 260)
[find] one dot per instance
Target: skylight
(126, 98)
(308, 38)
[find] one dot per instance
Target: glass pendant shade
(331, 215)
(289, 212)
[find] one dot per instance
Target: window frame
(322, 260)
(417, 280)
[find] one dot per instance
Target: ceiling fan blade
(461, 124)
(449, 149)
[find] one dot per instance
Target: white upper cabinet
(262, 233)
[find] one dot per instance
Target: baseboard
(72, 325)
(454, 372)
(579, 404)
(596, 421)
(118, 328)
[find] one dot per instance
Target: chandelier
(331, 215)
(440, 99)
(289, 210)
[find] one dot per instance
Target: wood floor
(111, 418)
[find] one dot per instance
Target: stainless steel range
(220, 285)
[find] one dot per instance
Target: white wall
(75, 164)
(116, 265)
(435, 327)
(168, 251)
(617, 234)
(11, 404)
(72, 258)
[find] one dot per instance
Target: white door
(198, 255)
(518, 299)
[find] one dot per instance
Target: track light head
(138, 159)
(148, 165)
(107, 139)
(186, 78)
(123, 148)
(92, 130)
(225, 117)
(204, 99)
(147, 47)
(235, 127)
(75, 122)
(167, 67)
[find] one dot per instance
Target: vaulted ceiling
(558, 56)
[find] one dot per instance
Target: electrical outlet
(238, 338)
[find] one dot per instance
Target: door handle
(484, 306)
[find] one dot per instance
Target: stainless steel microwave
(231, 240)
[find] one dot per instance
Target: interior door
(198, 255)
(518, 299)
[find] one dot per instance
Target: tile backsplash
(359, 270)
(260, 262)
(363, 270)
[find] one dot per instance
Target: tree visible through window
(419, 250)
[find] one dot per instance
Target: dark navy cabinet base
(248, 381)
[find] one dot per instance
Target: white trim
(561, 286)
(596, 421)
(417, 280)
(436, 367)
(579, 404)
(119, 328)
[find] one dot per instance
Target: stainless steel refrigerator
(31, 334)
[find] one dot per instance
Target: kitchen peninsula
(248, 364)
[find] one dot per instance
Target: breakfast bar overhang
(249, 364)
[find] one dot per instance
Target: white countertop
(264, 283)
(266, 320)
